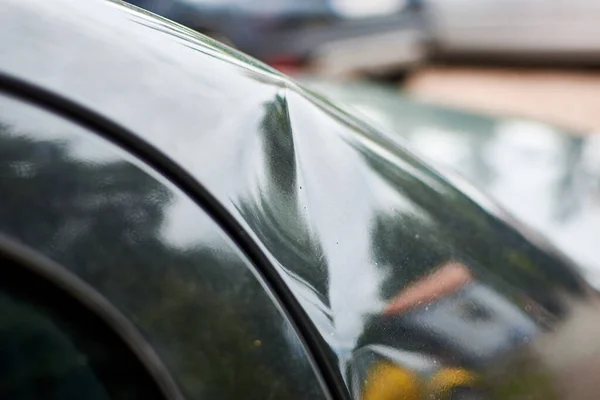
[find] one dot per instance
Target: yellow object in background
(388, 381)
(446, 379)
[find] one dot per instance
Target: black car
(178, 221)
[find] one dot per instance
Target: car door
(138, 242)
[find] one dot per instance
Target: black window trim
(65, 281)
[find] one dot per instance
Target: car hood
(341, 220)
(547, 177)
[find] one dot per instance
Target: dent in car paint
(348, 219)
(116, 224)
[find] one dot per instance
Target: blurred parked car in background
(333, 36)
(338, 37)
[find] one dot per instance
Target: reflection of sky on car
(180, 228)
(527, 159)
(84, 150)
(511, 153)
(531, 169)
(438, 145)
(342, 254)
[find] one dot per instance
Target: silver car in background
(551, 31)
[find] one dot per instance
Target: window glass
(51, 347)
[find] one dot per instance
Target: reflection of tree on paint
(276, 214)
(451, 226)
(222, 337)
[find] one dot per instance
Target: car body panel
(348, 220)
(148, 249)
(547, 177)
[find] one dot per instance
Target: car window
(52, 347)
(154, 254)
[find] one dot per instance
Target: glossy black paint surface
(152, 253)
(546, 176)
(415, 288)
